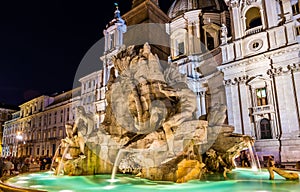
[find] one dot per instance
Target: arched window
(265, 129)
(178, 43)
(253, 18)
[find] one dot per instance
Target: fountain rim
(12, 188)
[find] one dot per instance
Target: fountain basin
(238, 180)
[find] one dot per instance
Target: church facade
(244, 54)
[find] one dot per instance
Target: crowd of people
(15, 165)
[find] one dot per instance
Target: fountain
(150, 133)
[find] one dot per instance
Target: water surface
(238, 180)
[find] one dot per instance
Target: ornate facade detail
(232, 3)
(280, 70)
(275, 72)
(227, 82)
(241, 79)
(294, 67)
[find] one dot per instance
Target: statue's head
(80, 110)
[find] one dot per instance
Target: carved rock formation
(150, 128)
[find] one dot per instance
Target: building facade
(39, 126)
(250, 47)
(261, 74)
(6, 113)
(93, 96)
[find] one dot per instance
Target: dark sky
(43, 41)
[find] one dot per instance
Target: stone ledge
(8, 188)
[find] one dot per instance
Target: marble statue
(224, 33)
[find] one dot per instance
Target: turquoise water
(244, 180)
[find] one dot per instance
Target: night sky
(43, 41)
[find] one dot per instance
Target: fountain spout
(54, 158)
(116, 164)
(255, 165)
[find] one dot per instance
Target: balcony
(254, 30)
(262, 109)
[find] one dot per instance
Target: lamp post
(19, 137)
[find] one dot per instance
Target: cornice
(260, 57)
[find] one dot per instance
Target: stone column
(229, 102)
(287, 10)
(286, 104)
(236, 108)
(237, 28)
(190, 38)
(271, 15)
(244, 105)
(262, 17)
(295, 74)
(198, 112)
(203, 104)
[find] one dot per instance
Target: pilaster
(286, 101)
(244, 104)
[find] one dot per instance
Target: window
(40, 121)
(296, 9)
(265, 129)
(261, 96)
(112, 41)
(298, 27)
(54, 132)
(60, 133)
(68, 113)
(210, 42)
(253, 18)
(180, 48)
(298, 30)
(49, 119)
(45, 120)
(55, 116)
(61, 115)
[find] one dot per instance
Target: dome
(181, 6)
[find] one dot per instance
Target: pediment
(258, 81)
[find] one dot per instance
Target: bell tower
(113, 35)
(257, 26)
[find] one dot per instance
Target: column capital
(234, 81)
(232, 3)
(275, 72)
(294, 67)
